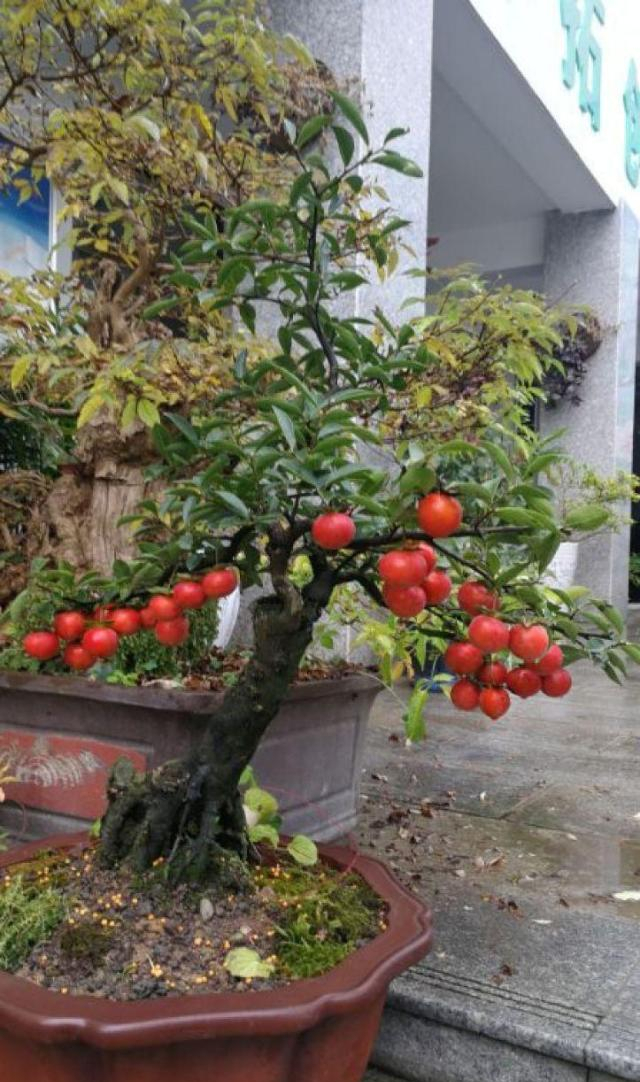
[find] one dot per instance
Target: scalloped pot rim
(41, 1015)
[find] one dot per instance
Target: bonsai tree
(138, 113)
(277, 479)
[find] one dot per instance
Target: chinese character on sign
(632, 136)
(584, 55)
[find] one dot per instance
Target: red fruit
(465, 695)
(69, 625)
(494, 673)
(189, 595)
(43, 645)
(333, 530)
(76, 657)
(172, 632)
(429, 554)
(489, 634)
(557, 683)
(221, 582)
(148, 618)
(549, 662)
(125, 621)
(403, 567)
(528, 643)
(494, 702)
(102, 614)
(474, 598)
(100, 642)
(163, 607)
(438, 514)
(523, 682)
(463, 658)
(437, 586)
(404, 600)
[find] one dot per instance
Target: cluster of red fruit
(483, 680)
(92, 638)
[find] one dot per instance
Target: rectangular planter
(64, 733)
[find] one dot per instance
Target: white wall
(531, 33)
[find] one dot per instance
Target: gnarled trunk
(189, 811)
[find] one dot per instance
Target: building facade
(525, 116)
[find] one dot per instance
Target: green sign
(583, 62)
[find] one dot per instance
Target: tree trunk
(189, 811)
(85, 506)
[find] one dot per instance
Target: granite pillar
(592, 259)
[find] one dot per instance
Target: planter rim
(163, 698)
(46, 1016)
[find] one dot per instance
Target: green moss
(30, 910)
(86, 942)
(326, 915)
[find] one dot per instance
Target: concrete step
(442, 1026)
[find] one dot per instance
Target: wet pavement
(524, 836)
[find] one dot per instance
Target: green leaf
(261, 802)
(587, 517)
(148, 412)
(156, 309)
(19, 371)
(234, 502)
(346, 143)
(286, 426)
(311, 129)
(352, 113)
(303, 850)
(632, 650)
(244, 963)
(414, 716)
(499, 456)
(390, 160)
(522, 516)
(264, 832)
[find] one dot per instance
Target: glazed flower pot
(63, 733)
(319, 1030)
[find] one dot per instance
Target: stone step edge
(552, 1029)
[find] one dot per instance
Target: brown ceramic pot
(319, 1030)
(63, 733)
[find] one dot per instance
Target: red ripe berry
(42, 645)
(69, 625)
(333, 530)
(428, 554)
(549, 662)
(172, 632)
(465, 695)
(163, 607)
(494, 702)
(100, 642)
(403, 567)
(438, 514)
(494, 673)
(189, 595)
(221, 582)
(489, 634)
(102, 614)
(528, 643)
(125, 621)
(474, 598)
(557, 683)
(523, 682)
(148, 618)
(404, 601)
(463, 658)
(76, 657)
(437, 586)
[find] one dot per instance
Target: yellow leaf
(424, 396)
(102, 244)
(19, 371)
(120, 188)
(91, 406)
(203, 119)
(87, 346)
